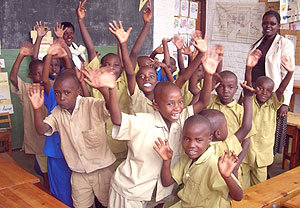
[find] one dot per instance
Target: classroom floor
(27, 162)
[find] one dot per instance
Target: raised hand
(156, 64)
(287, 63)
(187, 49)
(178, 42)
(26, 49)
(147, 14)
(36, 95)
(253, 58)
(159, 49)
(227, 163)
(200, 43)
(210, 61)
(56, 50)
(100, 78)
(166, 40)
(248, 90)
(79, 73)
(41, 29)
(81, 10)
(163, 149)
(59, 30)
(119, 31)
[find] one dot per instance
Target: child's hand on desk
(36, 95)
(26, 49)
(178, 42)
(210, 61)
(287, 63)
(147, 14)
(59, 30)
(227, 163)
(56, 50)
(253, 58)
(119, 32)
(163, 149)
(100, 78)
(81, 10)
(200, 43)
(41, 29)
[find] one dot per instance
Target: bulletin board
(275, 6)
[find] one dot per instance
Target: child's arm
(41, 32)
(188, 51)
(166, 52)
(147, 16)
(59, 33)
(122, 37)
(164, 68)
(248, 111)
(36, 96)
(26, 50)
(166, 153)
(158, 50)
(220, 52)
(226, 165)
(288, 65)
(80, 76)
(104, 78)
(193, 81)
(84, 32)
(252, 60)
(178, 42)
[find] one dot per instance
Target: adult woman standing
(272, 46)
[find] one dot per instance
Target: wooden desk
(293, 202)
(296, 90)
(273, 191)
(27, 196)
(12, 174)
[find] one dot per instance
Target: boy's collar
(205, 156)
(160, 122)
(230, 105)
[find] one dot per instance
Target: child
(33, 142)
(206, 180)
(80, 122)
(137, 179)
(265, 104)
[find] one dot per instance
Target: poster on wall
(176, 25)
(183, 25)
(194, 10)
(177, 8)
(184, 8)
(191, 25)
(289, 11)
(238, 22)
(5, 99)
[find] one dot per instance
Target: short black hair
(68, 24)
(197, 119)
(35, 63)
(109, 54)
(161, 86)
(228, 73)
(215, 118)
(273, 13)
(64, 75)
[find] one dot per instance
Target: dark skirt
(280, 133)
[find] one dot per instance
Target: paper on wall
(183, 25)
(292, 38)
(177, 8)
(194, 10)
(191, 25)
(184, 8)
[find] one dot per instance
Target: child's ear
(155, 105)
(29, 75)
(210, 138)
(217, 135)
(78, 91)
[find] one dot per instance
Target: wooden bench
(293, 202)
(28, 196)
(276, 190)
(292, 131)
(12, 174)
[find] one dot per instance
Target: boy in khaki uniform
(33, 142)
(207, 181)
(265, 105)
(137, 179)
(80, 122)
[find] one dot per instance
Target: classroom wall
(235, 54)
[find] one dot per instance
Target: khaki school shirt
(231, 143)
(138, 176)
(203, 183)
(187, 95)
(139, 102)
(33, 142)
(82, 133)
(233, 113)
(261, 145)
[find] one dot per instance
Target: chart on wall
(238, 22)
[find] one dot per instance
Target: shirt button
(187, 175)
(81, 154)
(75, 137)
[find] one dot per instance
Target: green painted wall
(10, 55)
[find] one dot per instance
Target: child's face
(264, 90)
(196, 139)
(172, 66)
(54, 68)
(36, 73)
(66, 92)
(227, 89)
(114, 63)
(69, 36)
(146, 79)
(170, 103)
